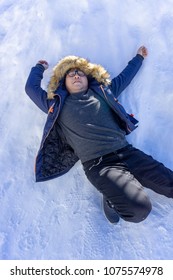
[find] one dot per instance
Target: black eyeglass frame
(72, 73)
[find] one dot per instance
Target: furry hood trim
(95, 71)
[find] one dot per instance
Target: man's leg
(113, 179)
(148, 171)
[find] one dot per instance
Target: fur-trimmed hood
(69, 62)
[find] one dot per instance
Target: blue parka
(55, 157)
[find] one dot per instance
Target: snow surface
(62, 218)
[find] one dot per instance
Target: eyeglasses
(72, 73)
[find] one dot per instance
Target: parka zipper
(53, 122)
(101, 86)
(50, 111)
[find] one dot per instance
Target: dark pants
(120, 176)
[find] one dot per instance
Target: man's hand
(143, 51)
(44, 63)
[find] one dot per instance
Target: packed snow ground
(63, 218)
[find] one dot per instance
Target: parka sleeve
(120, 82)
(33, 88)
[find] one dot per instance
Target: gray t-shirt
(90, 126)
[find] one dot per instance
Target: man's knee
(142, 213)
(139, 211)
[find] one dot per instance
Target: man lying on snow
(85, 121)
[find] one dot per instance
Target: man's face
(76, 81)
